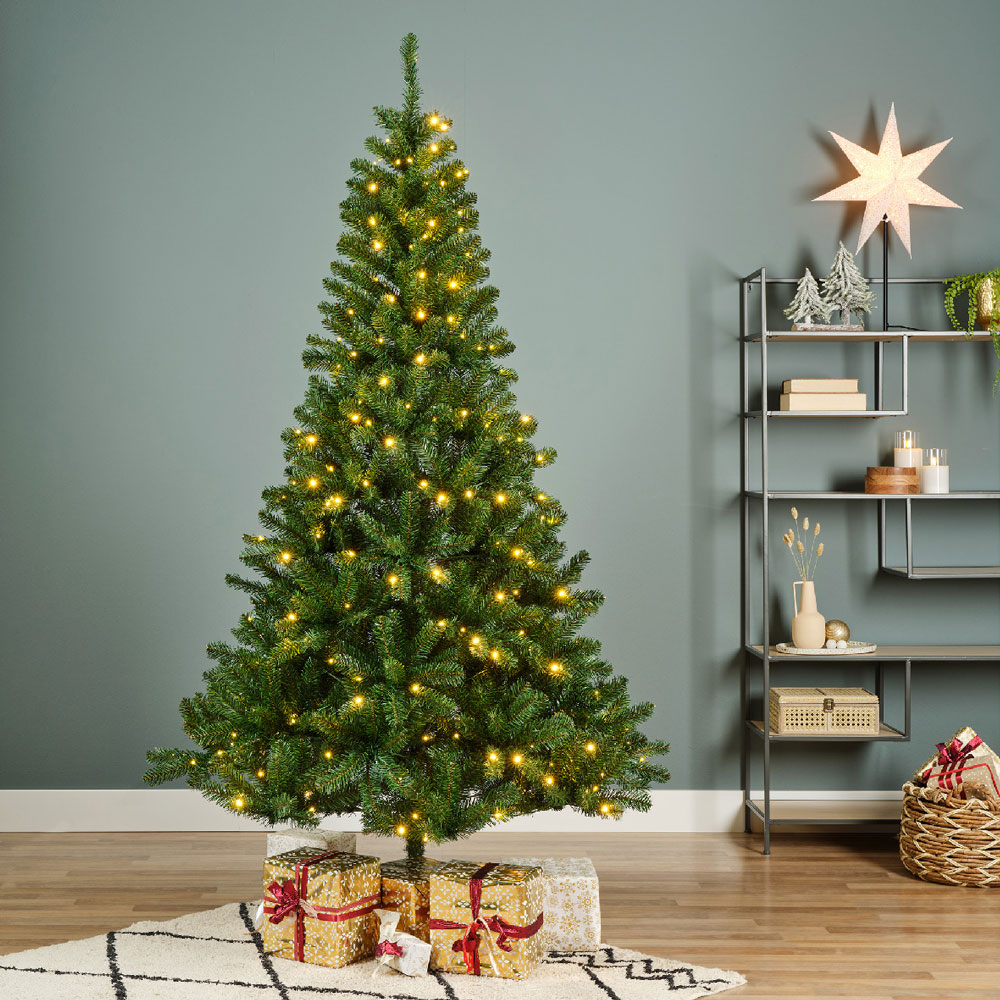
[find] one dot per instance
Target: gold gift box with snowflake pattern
(320, 908)
(485, 918)
(406, 890)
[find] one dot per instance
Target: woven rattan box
(840, 711)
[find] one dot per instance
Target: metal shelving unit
(755, 500)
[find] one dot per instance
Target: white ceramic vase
(808, 625)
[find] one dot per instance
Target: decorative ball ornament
(837, 630)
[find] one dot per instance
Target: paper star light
(888, 182)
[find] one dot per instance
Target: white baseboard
(74, 810)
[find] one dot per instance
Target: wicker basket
(946, 839)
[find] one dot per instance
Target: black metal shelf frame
(760, 498)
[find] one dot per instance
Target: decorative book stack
(822, 394)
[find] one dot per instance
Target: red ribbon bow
(953, 753)
(388, 948)
(285, 898)
(468, 943)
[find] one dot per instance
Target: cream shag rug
(215, 955)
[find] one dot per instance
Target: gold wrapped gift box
(406, 888)
(485, 918)
(964, 765)
(320, 908)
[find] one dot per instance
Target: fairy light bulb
(542, 498)
(286, 557)
(313, 483)
(261, 773)
(469, 494)
(433, 120)
(591, 748)
(372, 221)
(393, 580)
(355, 418)
(549, 780)
(501, 498)
(442, 623)
(192, 762)
(453, 283)
(358, 699)
(492, 758)
(421, 275)
(426, 738)
(442, 499)
(390, 442)
(401, 830)
(517, 553)
(383, 381)
(373, 187)
(454, 736)
(419, 359)
(328, 754)
(555, 667)
(562, 593)
(434, 147)
(539, 457)
(500, 595)
(220, 753)
(421, 315)
(238, 803)
(311, 439)
(605, 808)
(415, 688)
(517, 758)
(376, 245)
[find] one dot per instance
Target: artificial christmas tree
(806, 304)
(412, 651)
(846, 290)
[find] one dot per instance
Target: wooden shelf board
(885, 733)
(946, 572)
(858, 495)
(933, 653)
(831, 810)
(870, 336)
(872, 414)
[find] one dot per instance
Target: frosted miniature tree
(845, 288)
(807, 302)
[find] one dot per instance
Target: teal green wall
(170, 178)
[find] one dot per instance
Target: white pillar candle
(935, 475)
(906, 454)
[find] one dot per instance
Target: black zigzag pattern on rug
(673, 979)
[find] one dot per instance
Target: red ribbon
(953, 753)
(290, 897)
(387, 948)
(468, 943)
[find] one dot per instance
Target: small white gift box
(570, 902)
(395, 950)
(292, 838)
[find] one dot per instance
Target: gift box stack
(482, 919)
(965, 766)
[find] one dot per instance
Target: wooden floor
(823, 916)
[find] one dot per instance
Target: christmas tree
(845, 288)
(412, 651)
(807, 302)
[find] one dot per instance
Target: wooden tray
(853, 648)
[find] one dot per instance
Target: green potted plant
(982, 292)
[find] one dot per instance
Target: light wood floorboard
(824, 916)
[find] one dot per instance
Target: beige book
(824, 401)
(819, 385)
